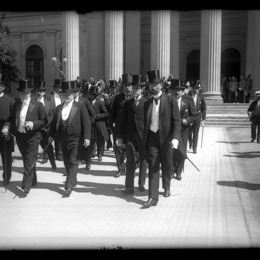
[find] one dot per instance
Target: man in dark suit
(49, 110)
(253, 112)
(187, 113)
(56, 99)
(200, 116)
(6, 140)
(114, 119)
(162, 133)
(99, 129)
(80, 97)
(72, 123)
(28, 118)
(130, 134)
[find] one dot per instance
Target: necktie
(156, 100)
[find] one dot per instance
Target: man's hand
(50, 139)
(184, 121)
(119, 142)
(28, 125)
(175, 143)
(86, 143)
(5, 130)
(202, 122)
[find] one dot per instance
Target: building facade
(200, 44)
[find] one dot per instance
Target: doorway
(230, 63)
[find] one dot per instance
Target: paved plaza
(217, 207)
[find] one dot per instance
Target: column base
(212, 96)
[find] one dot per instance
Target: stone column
(132, 42)
(113, 44)
(175, 24)
(253, 48)
(210, 53)
(160, 42)
(70, 44)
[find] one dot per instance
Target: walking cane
(202, 136)
(35, 162)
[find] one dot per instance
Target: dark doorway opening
(230, 63)
(193, 66)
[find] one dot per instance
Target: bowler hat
(127, 79)
(154, 77)
(23, 85)
(112, 83)
(41, 87)
(257, 93)
(68, 87)
(93, 90)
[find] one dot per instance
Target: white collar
(2, 94)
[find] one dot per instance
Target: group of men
(150, 126)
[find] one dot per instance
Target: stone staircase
(221, 114)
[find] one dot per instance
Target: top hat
(137, 80)
(93, 90)
(127, 79)
(69, 87)
(177, 84)
(112, 83)
(195, 85)
(257, 93)
(84, 86)
(2, 79)
(24, 85)
(154, 77)
(42, 87)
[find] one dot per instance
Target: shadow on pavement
(105, 189)
(251, 154)
(240, 184)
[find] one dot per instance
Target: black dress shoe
(59, 158)
(26, 191)
(252, 140)
(167, 193)
(142, 188)
(118, 174)
(150, 202)
(54, 168)
(195, 151)
(128, 190)
(87, 167)
(44, 161)
(178, 177)
(100, 159)
(5, 183)
(68, 192)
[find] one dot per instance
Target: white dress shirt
(66, 110)
(154, 126)
(179, 103)
(41, 99)
(23, 113)
(57, 99)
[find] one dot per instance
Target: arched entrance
(193, 65)
(34, 65)
(230, 63)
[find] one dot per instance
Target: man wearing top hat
(200, 116)
(6, 140)
(254, 114)
(56, 99)
(49, 110)
(162, 133)
(130, 133)
(80, 96)
(28, 119)
(72, 123)
(187, 113)
(115, 117)
(110, 99)
(99, 133)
